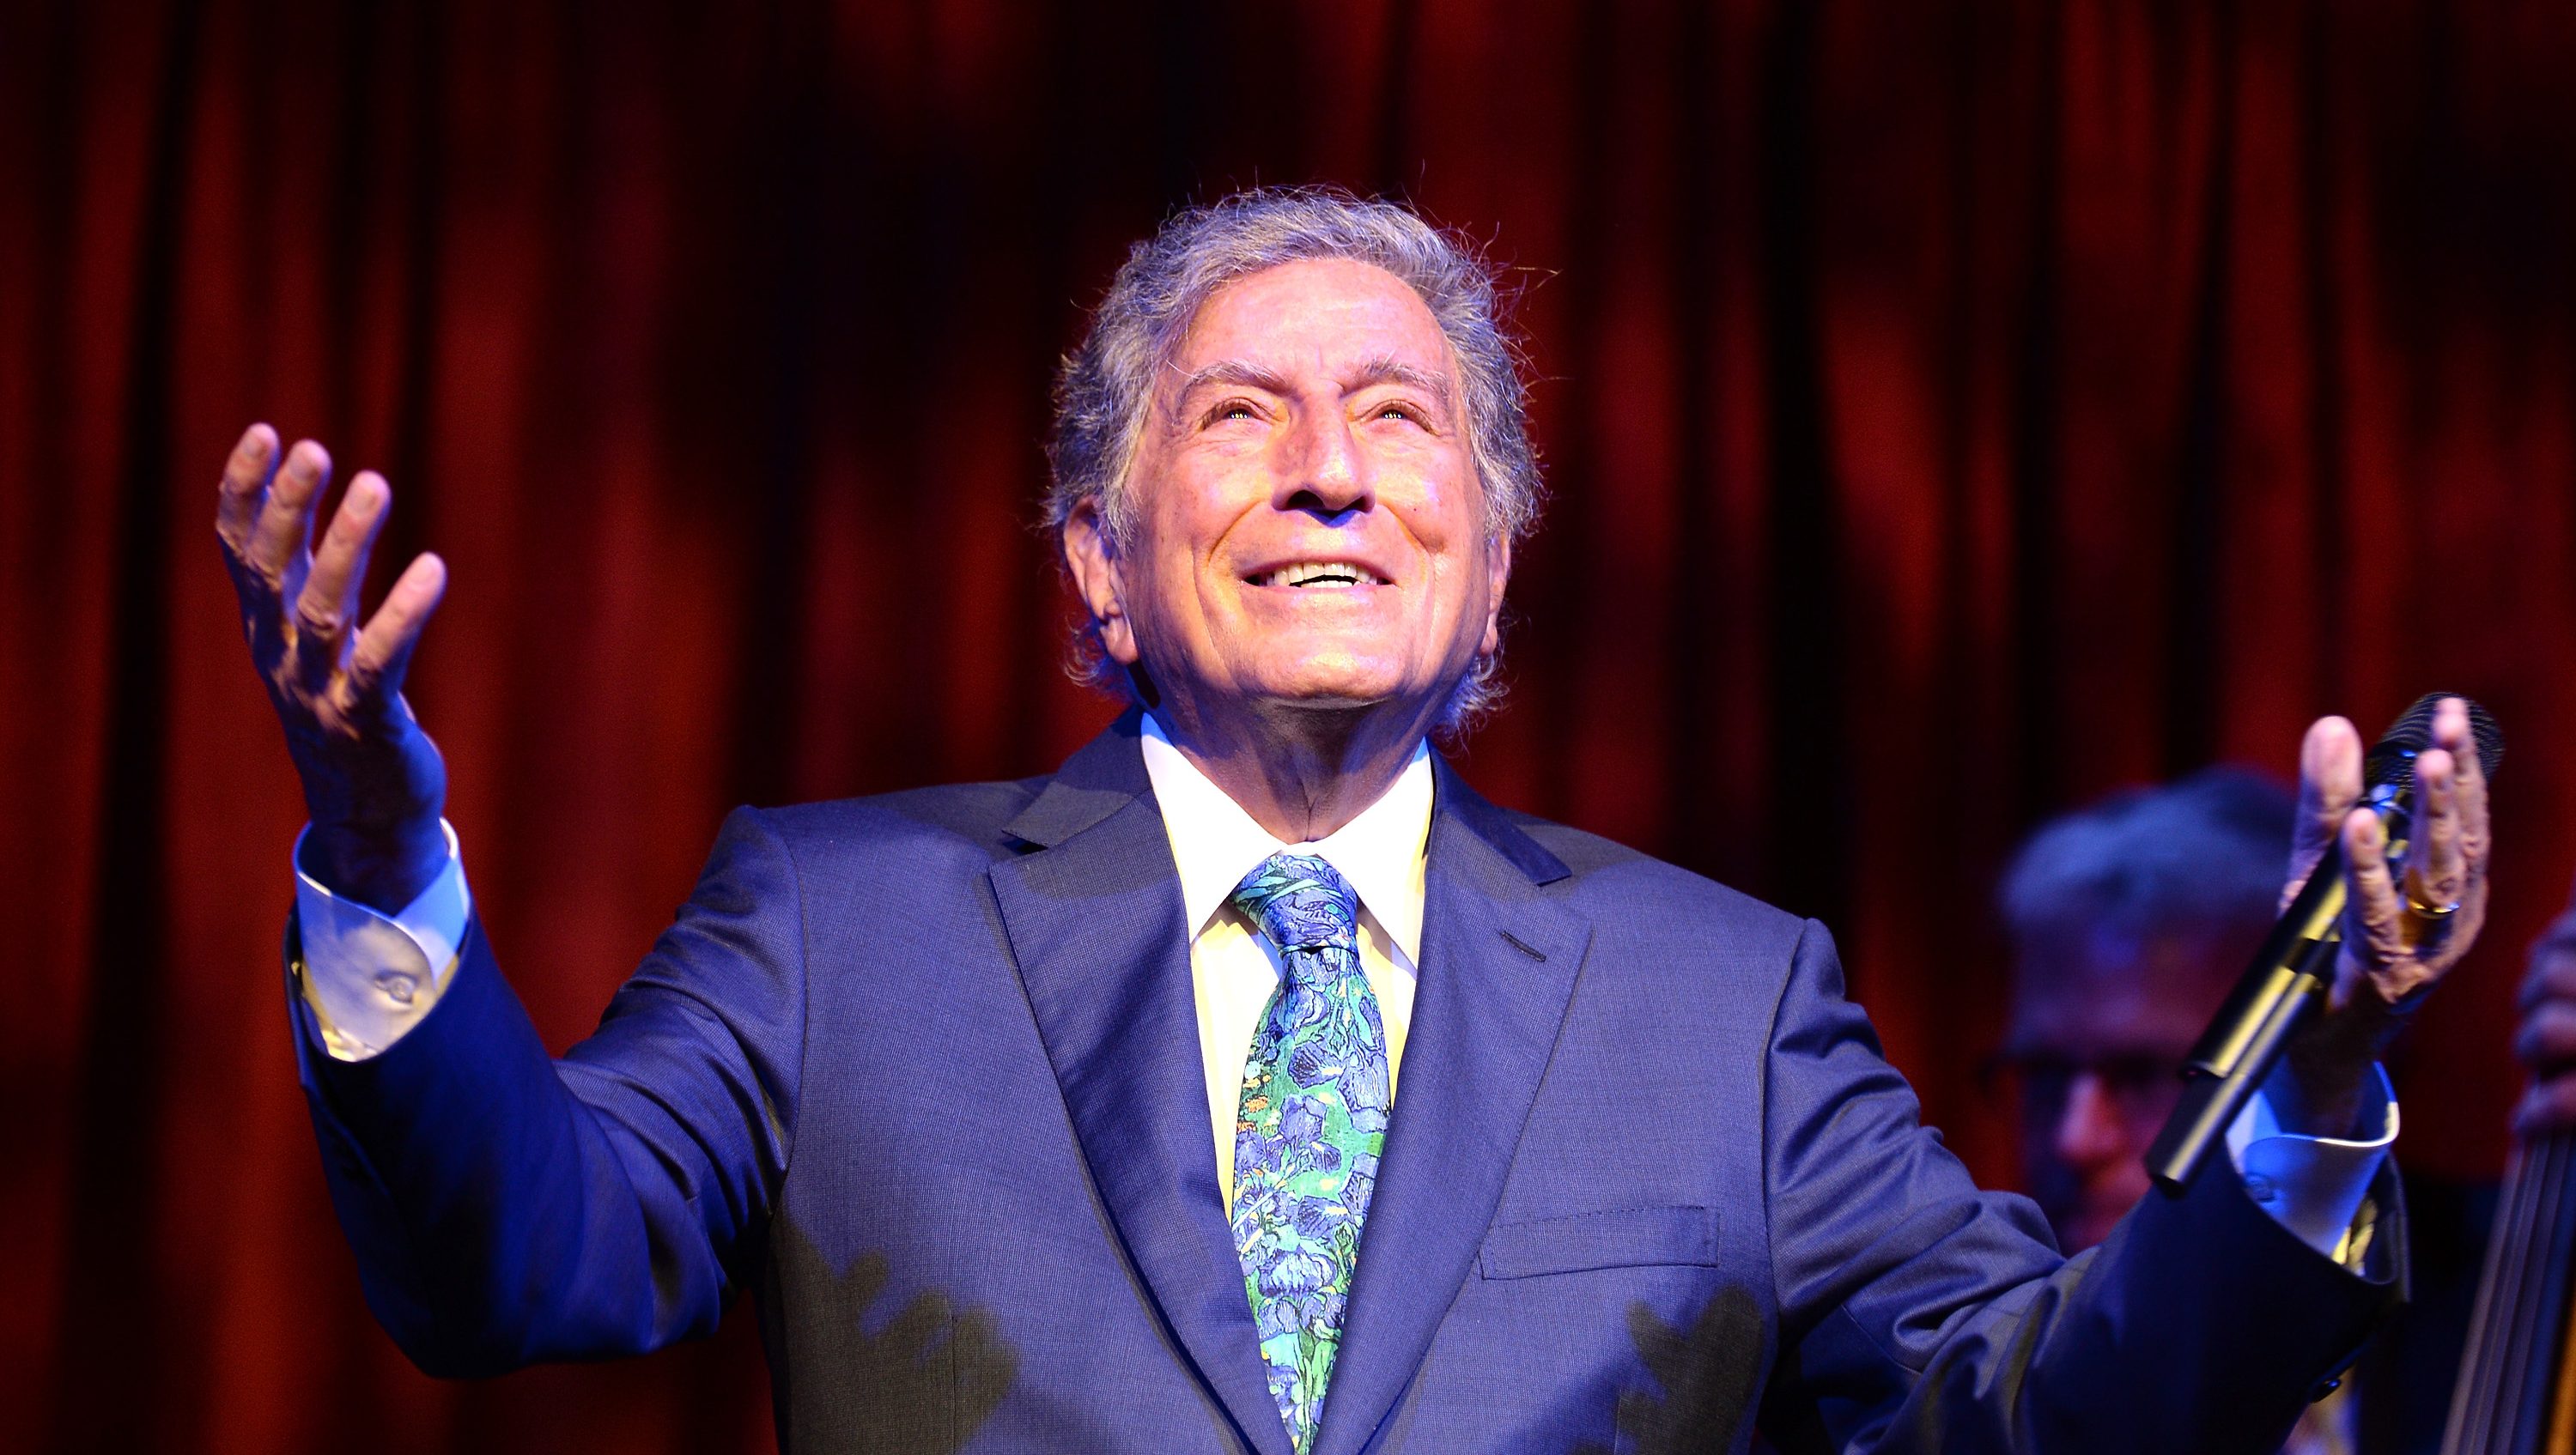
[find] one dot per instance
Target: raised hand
(2546, 1041)
(2406, 922)
(373, 781)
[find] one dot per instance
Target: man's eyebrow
(1387, 369)
(1384, 369)
(1242, 373)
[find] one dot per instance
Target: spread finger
(2434, 873)
(2547, 1037)
(385, 646)
(2546, 1107)
(2552, 973)
(2329, 783)
(284, 529)
(2375, 918)
(2469, 789)
(329, 600)
(245, 484)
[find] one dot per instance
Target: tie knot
(1301, 902)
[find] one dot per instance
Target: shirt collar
(1215, 843)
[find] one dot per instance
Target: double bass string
(2523, 1299)
(2473, 1396)
(2558, 1415)
(2519, 1324)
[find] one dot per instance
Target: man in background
(2129, 922)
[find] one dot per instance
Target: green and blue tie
(1309, 1128)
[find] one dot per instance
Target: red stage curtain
(1954, 411)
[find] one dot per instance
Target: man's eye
(1233, 409)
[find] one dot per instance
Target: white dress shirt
(370, 978)
(1233, 966)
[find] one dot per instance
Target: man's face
(2098, 1034)
(1307, 524)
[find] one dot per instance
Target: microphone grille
(2392, 758)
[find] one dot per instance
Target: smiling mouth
(1318, 573)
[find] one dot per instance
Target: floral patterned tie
(1308, 1130)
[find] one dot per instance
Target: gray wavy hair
(1105, 388)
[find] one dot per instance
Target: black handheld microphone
(2290, 974)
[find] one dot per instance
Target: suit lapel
(1095, 921)
(1498, 964)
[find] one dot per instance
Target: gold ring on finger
(2421, 910)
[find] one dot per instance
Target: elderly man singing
(1251, 1083)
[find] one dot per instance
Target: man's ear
(1093, 560)
(1498, 573)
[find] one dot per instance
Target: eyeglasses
(2140, 1086)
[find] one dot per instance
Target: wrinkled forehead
(1337, 319)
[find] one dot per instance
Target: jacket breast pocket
(1622, 1238)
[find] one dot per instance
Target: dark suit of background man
(1251, 1083)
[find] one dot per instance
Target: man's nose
(1326, 470)
(2090, 1131)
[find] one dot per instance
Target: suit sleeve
(1920, 1314)
(508, 1209)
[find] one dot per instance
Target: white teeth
(1321, 573)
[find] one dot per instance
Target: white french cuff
(2315, 1186)
(369, 977)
